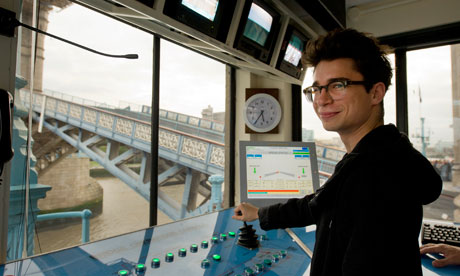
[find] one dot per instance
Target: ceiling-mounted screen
(289, 60)
(211, 17)
(294, 50)
(205, 8)
(258, 30)
(258, 25)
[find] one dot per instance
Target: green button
(267, 262)
(140, 268)
(193, 248)
(216, 257)
(169, 258)
(155, 263)
(182, 252)
(123, 272)
(283, 253)
(205, 263)
(248, 271)
(231, 234)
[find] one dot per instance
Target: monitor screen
(290, 57)
(205, 8)
(258, 25)
(273, 172)
(294, 50)
(210, 17)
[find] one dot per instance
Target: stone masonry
(71, 185)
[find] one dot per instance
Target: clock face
(262, 112)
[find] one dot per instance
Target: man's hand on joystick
(240, 214)
(246, 212)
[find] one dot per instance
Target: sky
(190, 82)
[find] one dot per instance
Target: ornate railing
(133, 132)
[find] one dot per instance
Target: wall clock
(262, 113)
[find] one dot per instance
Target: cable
(128, 56)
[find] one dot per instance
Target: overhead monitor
(258, 30)
(258, 25)
(211, 17)
(273, 172)
(206, 8)
(290, 58)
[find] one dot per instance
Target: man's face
(349, 113)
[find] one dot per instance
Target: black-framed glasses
(335, 88)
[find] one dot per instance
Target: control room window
(95, 100)
(433, 96)
(191, 134)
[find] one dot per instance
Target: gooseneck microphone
(128, 56)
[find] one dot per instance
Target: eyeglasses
(335, 88)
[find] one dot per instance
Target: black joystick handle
(247, 236)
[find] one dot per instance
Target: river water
(123, 211)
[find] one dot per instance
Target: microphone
(16, 23)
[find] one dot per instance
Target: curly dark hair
(369, 56)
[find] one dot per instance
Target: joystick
(247, 236)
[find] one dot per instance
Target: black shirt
(368, 214)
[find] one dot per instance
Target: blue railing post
(216, 192)
(84, 215)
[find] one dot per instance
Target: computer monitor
(211, 17)
(258, 30)
(273, 172)
(290, 58)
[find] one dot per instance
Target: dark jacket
(368, 214)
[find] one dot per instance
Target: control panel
(212, 244)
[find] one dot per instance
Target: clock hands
(261, 115)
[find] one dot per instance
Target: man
(368, 214)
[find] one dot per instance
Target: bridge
(190, 148)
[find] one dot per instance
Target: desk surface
(110, 256)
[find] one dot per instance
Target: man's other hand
(451, 254)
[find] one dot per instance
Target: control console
(211, 244)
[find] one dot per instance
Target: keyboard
(440, 233)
